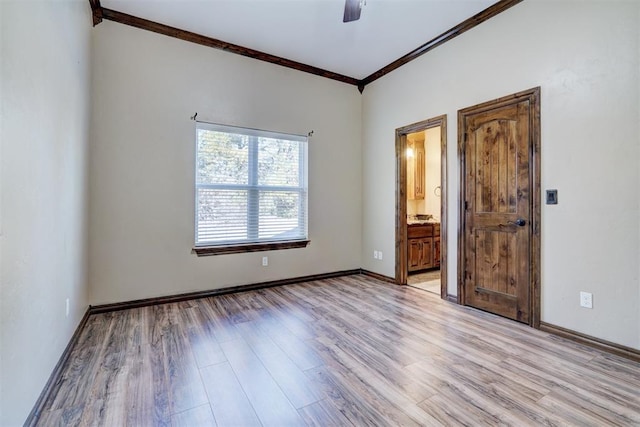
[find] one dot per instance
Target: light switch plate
(552, 197)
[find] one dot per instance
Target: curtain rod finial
(310, 133)
(194, 116)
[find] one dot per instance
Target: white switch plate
(375, 254)
(265, 261)
(586, 299)
(66, 309)
(379, 254)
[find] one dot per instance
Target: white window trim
(253, 243)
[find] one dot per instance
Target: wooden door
(500, 213)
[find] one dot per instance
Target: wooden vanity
(424, 246)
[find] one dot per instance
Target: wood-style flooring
(336, 352)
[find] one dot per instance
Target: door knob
(520, 222)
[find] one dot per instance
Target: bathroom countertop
(421, 221)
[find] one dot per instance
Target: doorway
(499, 233)
(421, 202)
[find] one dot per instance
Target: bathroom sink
(421, 221)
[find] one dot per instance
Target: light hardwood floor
(335, 352)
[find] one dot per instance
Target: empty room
(319, 212)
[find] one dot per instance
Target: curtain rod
(194, 118)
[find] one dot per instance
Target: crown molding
(100, 13)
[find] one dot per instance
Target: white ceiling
(312, 31)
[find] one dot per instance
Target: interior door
(499, 217)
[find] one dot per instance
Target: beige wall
(586, 59)
(416, 206)
(146, 87)
(44, 129)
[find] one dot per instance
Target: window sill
(252, 247)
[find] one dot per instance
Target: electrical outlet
(265, 261)
(375, 254)
(379, 254)
(586, 299)
(66, 309)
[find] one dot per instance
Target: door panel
(497, 232)
(495, 175)
(414, 255)
(426, 252)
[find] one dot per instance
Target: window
(251, 189)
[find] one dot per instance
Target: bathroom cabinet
(416, 171)
(423, 246)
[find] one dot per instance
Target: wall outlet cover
(586, 299)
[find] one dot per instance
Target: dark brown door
(498, 210)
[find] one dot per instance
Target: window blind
(251, 186)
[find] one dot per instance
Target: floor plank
(229, 403)
(322, 414)
(269, 402)
(200, 416)
(186, 390)
(291, 379)
(336, 352)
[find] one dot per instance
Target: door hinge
(466, 205)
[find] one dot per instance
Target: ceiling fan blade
(352, 9)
